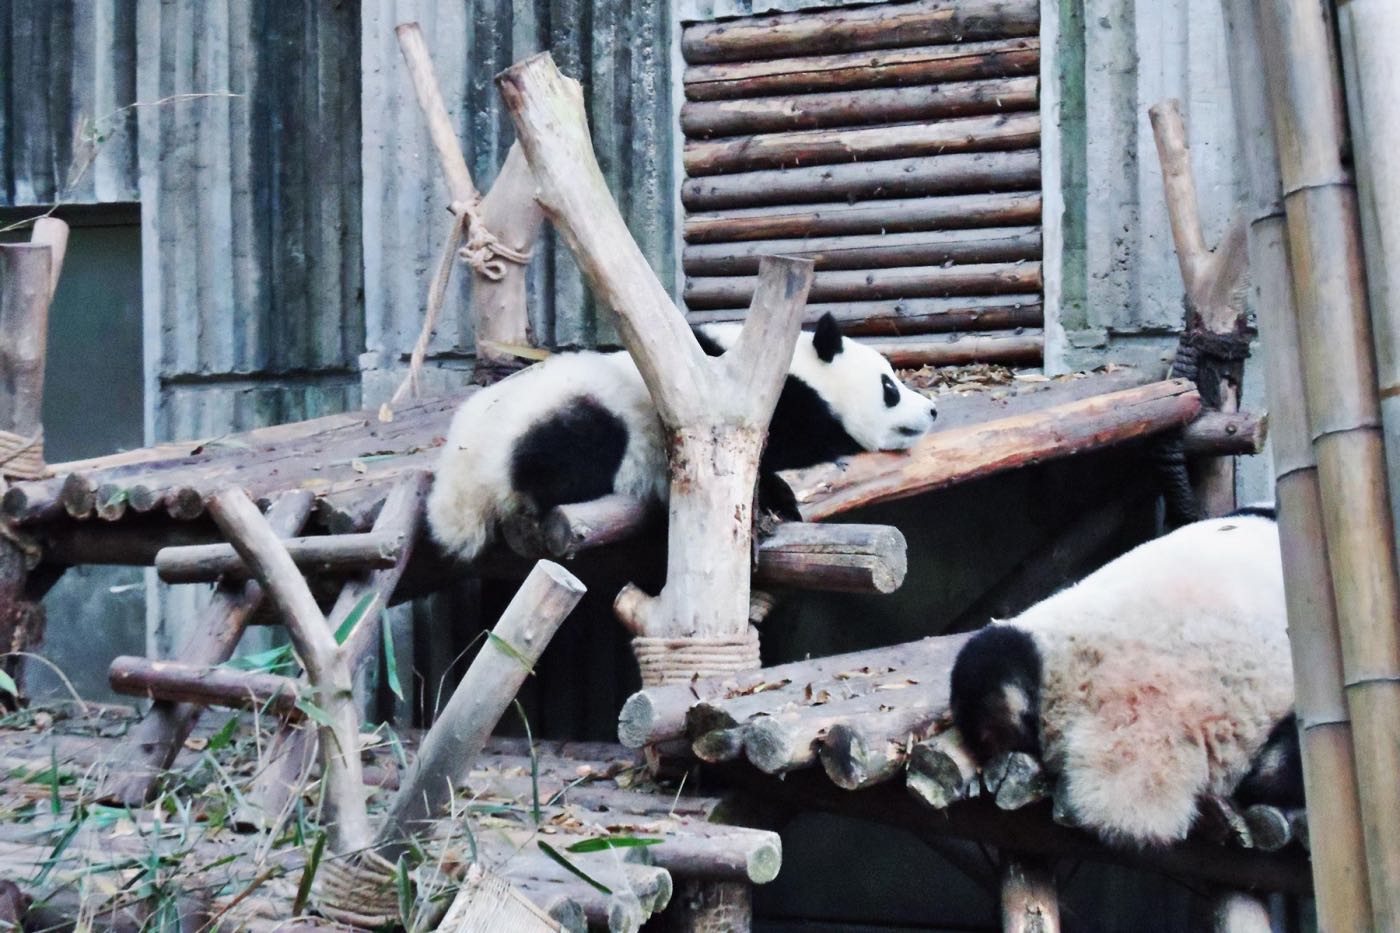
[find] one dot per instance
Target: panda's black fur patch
(1276, 776)
(804, 430)
(1257, 511)
(999, 664)
(572, 455)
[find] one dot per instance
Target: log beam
(184, 683)
(321, 554)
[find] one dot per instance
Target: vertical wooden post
(1029, 901)
(1324, 244)
(1215, 314)
(508, 212)
(28, 276)
(1329, 774)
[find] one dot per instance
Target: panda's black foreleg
(1276, 775)
(995, 692)
(776, 498)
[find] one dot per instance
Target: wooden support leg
(156, 740)
(1029, 902)
(710, 907)
(293, 747)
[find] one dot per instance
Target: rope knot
(678, 660)
(22, 457)
(483, 250)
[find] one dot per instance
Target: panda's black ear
(827, 339)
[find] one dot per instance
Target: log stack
(896, 146)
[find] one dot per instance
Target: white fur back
(471, 491)
(1164, 672)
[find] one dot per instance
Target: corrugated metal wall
(618, 49)
(250, 211)
(67, 68)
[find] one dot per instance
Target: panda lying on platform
(1163, 676)
(582, 425)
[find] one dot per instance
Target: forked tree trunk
(715, 411)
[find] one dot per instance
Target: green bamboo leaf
(553, 853)
(534, 763)
(403, 884)
(224, 737)
(8, 685)
(314, 712)
(511, 650)
(353, 619)
(611, 842)
(391, 664)
(308, 875)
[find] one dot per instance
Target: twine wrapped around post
(22, 457)
(358, 890)
(677, 660)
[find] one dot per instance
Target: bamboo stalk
(446, 755)
(1339, 382)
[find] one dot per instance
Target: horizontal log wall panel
(848, 72)
(881, 26)
(955, 173)
(907, 317)
(950, 213)
(1020, 347)
(897, 146)
(875, 251)
(852, 285)
(822, 147)
(705, 119)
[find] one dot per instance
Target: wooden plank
(874, 251)
(912, 316)
(182, 682)
(702, 292)
(854, 70)
(817, 147)
(892, 216)
(880, 26)
(707, 119)
(953, 173)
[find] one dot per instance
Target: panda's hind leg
(1276, 774)
(570, 455)
(995, 692)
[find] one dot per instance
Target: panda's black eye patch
(891, 391)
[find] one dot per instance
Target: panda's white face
(877, 410)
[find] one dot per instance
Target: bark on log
(569, 529)
(845, 558)
(182, 682)
(942, 771)
(1269, 827)
(854, 70)
(818, 147)
(956, 455)
(914, 316)
(716, 410)
(1221, 433)
(852, 28)
(877, 251)
(706, 292)
(706, 119)
(327, 666)
(1015, 780)
(320, 554)
(701, 907)
(894, 215)
(152, 746)
(446, 755)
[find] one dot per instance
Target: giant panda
(581, 425)
(1163, 676)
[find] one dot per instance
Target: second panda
(581, 425)
(1163, 676)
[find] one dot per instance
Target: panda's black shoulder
(707, 343)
